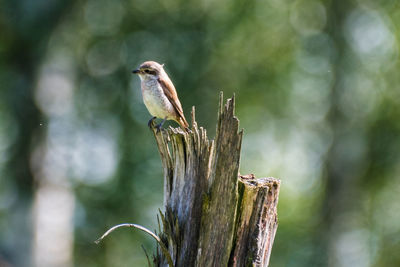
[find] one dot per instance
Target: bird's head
(149, 70)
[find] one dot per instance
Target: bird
(159, 94)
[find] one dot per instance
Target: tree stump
(214, 216)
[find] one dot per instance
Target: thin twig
(162, 245)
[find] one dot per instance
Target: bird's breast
(156, 101)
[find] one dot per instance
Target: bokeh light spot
(104, 17)
(103, 57)
(370, 37)
(308, 17)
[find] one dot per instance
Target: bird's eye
(146, 71)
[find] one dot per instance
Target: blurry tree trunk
(214, 216)
(25, 28)
(339, 169)
(22, 60)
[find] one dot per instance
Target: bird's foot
(159, 126)
(150, 123)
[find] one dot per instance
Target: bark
(213, 216)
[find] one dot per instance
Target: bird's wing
(170, 92)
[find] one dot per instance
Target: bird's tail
(183, 123)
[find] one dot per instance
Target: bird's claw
(159, 127)
(150, 123)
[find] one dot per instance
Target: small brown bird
(159, 94)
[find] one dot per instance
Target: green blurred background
(317, 86)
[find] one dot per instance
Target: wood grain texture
(257, 221)
(213, 216)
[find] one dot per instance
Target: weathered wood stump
(214, 216)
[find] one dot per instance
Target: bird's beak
(136, 71)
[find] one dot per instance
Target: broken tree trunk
(213, 216)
